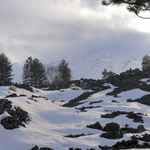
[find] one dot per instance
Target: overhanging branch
(135, 6)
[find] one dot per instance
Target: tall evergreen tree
(64, 70)
(146, 63)
(34, 73)
(5, 70)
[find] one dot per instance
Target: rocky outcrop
(137, 117)
(96, 125)
(42, 148)
(17, 116)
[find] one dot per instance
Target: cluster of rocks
(137, 117)
(83, 83)
(95, 102)
(80, 148)
(143, 100)
(17, 116)
(129, 144)
(24, 86)
(83, 108)
(47, 148)
(145, 137)
(113, 130)
(128, 80)
(77, 101)
(76, 135)
(42, 148)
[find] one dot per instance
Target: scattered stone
(42, 148)
(5, 105)
(135, 116)
(18, 117)
(83, 109)
(95, 102)
(114, 101)
(111, 127)
(140, 128)
(145, 137)
(76, 136)
(12, 95)
(112, 135)
(96, 125)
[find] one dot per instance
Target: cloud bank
(51, 30)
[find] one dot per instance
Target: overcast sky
(52, 30)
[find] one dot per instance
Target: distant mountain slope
(92, 64)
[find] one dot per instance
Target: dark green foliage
(107, 74)
(65, 71)
(146, 63)
(34, 73)
(5, 70)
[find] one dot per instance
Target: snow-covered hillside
(92, 64)
(60, 128)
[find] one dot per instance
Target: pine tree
(107, 74)
(135, 6)
(34, 73)
(146, 63)
(5, 70)
(65, 71)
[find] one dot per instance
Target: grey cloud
(52, 30)
(92, 4)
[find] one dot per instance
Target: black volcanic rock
(111, 127)
(96, 125)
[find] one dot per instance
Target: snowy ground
(50, 122)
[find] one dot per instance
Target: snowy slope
(92, 64)
(50, 122)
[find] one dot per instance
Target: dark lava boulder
(112, 135)
(112, 127)
(96, 125)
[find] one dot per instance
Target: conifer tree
(34, 73)
(139, 7)
(64, 70)
(5, 70)
(146, 63)
(107, 74)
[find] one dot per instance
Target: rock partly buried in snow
(12, 95)
(143, 100)
(96, 125)
(112, 131)
(42, 148)
(18, 117)
(112, 135)
(76, 135)
(112, 127)
(139, 129)
(5, 105)
(126, 145)
(145, 137)
(137, 117)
